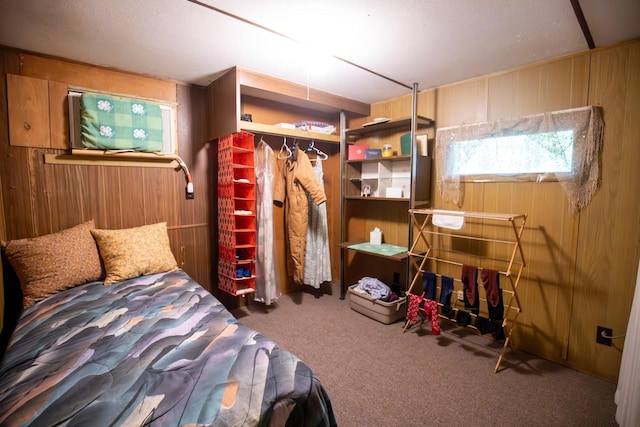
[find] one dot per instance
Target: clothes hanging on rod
(317, 265)
(267, 288)
(293, 179)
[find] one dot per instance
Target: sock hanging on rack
(414, 305)
(490, 279)
(429, 285)
(446, 290)
(470, 286)
(431, 311)
(445, 296)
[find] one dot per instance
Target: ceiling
(368, 50)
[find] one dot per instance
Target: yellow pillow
(51, 263)
(134, 252)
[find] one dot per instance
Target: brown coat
(292, 181)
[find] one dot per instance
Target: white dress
(267, 289)
(317, 262)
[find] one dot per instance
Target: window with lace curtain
(556, 146)
(539, 153)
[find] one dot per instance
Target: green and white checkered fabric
(114, 123)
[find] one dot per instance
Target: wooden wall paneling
(58, 115)
(29, 111)
(69, 189)
(532, 90)
(189, 245)
(15, 178)
(394, 108)
(224, 102)
(556, 85)
(104, 208)
(17, 192)
(462, 103)
(160, 194)
(195, 254)
(457, 104)
(548, 244)
(580, 80)
(193, 150)
(514, 94)
(47, 191)
(199, 206)
(129, 187)
(93, 77)
(597, 221)
(611, 219)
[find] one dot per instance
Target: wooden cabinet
(379, 193)
(270, 102)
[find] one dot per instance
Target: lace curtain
(580, 184)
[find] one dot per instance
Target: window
(541, 153)
(562, 145)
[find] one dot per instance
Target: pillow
(48, 264)
(132, 252)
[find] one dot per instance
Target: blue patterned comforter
(156, 350)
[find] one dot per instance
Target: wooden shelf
(379, 159)
(272, 100)
(293, 133)
(387, 199)
(398, 257)
(391, 125)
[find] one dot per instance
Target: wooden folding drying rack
(489, 240)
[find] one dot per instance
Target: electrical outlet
(188, 194)
(600, 339)
(460, 296)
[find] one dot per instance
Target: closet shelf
(386, 199)
(263, 129)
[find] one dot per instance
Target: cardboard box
(384, 312)
(357, 151)
(373, 153)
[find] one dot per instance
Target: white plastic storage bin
(384, 312)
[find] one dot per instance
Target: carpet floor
(376, 375)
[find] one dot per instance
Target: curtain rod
(262, 27)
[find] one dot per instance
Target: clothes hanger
(285, 151)
(313, 149)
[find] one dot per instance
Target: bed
(152, 349)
